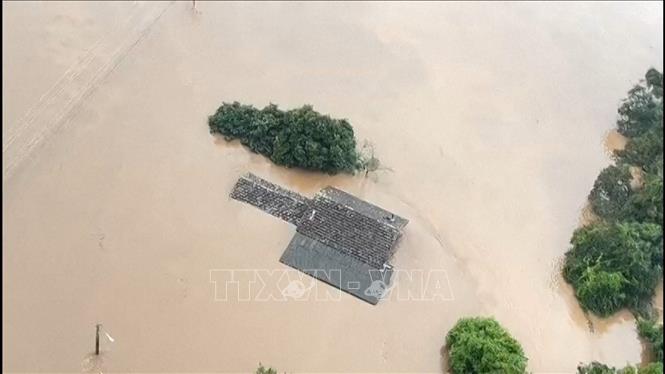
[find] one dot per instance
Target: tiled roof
(333, 267)
(333, 217)
(270, 198)
(351, 232)
(363, 207)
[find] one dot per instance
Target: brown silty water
(491, 117)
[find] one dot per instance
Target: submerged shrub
(651, 368)
(262, 370)
(614, 265)
(481, 345)
(299, 137)
(599, 368)
(595, 368)
(652, 332)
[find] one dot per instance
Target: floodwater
(492, 118)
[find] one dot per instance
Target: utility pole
(98, 327)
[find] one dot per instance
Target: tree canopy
(299, 137)
(263, 370)
(642, 110)
(615, 265)
(611, 192)
(599, 368)
(481, 345)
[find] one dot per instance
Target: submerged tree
(641, 120)
(611, 192)
(481, 345)
(642, 110)
(652, 332)
(369, 163)
(646, 204)
(263, 370)
(599, 368)
(615, 265)
(299, 137)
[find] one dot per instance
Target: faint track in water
(54, 107)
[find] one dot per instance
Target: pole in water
(98, 327)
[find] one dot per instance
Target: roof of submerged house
(349, 231)
(270, 198)
(335, 232)
(363, 207)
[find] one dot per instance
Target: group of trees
(299, 137)
(481, 345)
(616, 261)
(599, 368)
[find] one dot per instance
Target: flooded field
(493, 120)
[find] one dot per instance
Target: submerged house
(340, 239)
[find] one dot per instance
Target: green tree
(654, 79)
(595, 368)
(614, 265)
(641, 120)
(611, 192)
(599, 368)
(481, 345)
(262, 370)
(652, 332)
(644, 151)
(300, 137)
(642, 110)
(646, 204)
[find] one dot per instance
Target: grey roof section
(337, 269)
(349, 231)
(363, 207)
(340, 239)
(270, 198)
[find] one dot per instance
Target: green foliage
(263, 370)
(481, 345)
(641, 120)
(598, 368)
(646, 204)
(642, 110)
(595, 368)
(654, 79)
(652, 332)
(644, 151)
(651, 368)
(613, 199)
(614, 265)
(611, 192)
(300, 137)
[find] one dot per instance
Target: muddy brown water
(492, 117)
